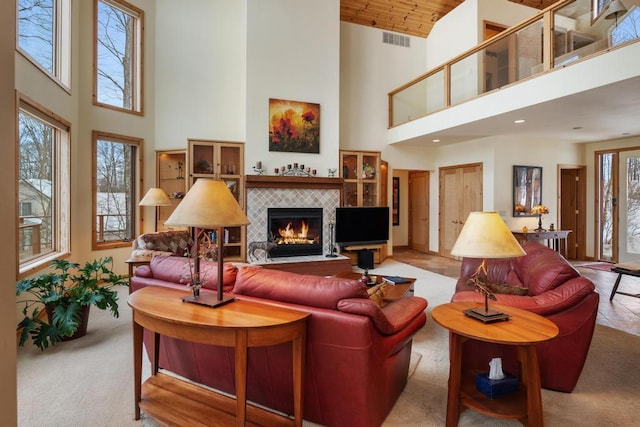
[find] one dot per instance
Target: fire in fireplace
(296, 231)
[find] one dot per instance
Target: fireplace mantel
(272, 181)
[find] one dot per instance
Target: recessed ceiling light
(519, 121)
(436, 140)
(626, 133)
(576, 127)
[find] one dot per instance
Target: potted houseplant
(66, 294)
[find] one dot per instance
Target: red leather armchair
(357, 353)
(558, 292)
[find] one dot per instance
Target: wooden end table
(136, 261)
(239, 324)
(523, 330)
(390, 292)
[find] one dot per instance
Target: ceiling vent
(397, 39)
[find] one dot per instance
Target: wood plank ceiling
(413, 17)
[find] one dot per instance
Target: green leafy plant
(64, 292)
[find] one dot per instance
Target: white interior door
(629, 207)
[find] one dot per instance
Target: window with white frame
(116, 177)
(118, 55)
(44, 36)
(43, 186)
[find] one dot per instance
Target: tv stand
(379, 252)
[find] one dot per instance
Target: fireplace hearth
(296, 231)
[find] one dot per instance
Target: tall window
(115, 189)
(44, 36)
(118, 54)
(43, 186)
(628, 27)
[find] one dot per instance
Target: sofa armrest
(556, 300)
(391, 318)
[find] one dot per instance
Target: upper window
(116, 178)
(43, 186)
(44, 36)
(627, 28)
(118, 55)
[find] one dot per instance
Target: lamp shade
(155, 197)
(485, 235)
(615, 9)
(208, 204)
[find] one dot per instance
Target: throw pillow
(376, 293)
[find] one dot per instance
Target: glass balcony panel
(465, 83)
(435, 92)
(529, 50)
(410, 103)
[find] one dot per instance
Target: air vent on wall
(397, 39)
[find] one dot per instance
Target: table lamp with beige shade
(540, 210)
(155, 197)
(485, 235)
(208, 204)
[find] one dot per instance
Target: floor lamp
(208, 204)
(485, 235)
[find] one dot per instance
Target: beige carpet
(88, 382)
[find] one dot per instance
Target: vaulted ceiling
(413, 17)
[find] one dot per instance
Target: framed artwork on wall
(527, 189)
(294, 126)
(395, 209)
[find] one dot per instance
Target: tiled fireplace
(264, 192)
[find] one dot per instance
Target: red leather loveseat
(357, 354)
(557, 291)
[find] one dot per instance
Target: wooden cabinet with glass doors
(361, 173)
(171, 178)
(221, 160)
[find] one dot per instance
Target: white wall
(498, 155)
(369, 70)
(463, 27)
(292, 53)
(199, 71)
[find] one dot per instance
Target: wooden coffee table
(390, 292)
(239, 324)
(523, 330)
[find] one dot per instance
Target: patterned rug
(603, 266)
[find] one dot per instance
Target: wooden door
(572, 208)
(460, 192)
(419, 211)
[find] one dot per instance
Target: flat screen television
(362, 225)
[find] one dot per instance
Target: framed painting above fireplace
(294, 126)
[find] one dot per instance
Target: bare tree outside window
(115, 190)
(36, 31)
(36, 185)
(117, 54)
(628, 27)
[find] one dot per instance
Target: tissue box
(496, 388)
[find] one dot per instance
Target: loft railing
(559, 35)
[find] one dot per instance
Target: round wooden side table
(523, 330)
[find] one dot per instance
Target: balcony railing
(560, 35)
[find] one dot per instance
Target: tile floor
(622, 313)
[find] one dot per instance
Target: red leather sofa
(357, 353)
(558, 292)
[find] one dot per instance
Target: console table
(556, 239)
(523, 330)
(239, 324)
